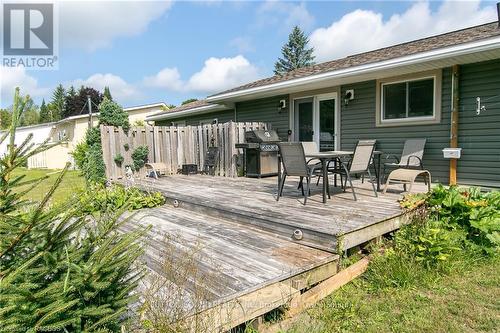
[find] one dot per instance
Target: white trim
(138, 107)
(315, 99)
(196, 110)
(407, 118)
(436, 75)
(442, 53)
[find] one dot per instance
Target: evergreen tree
(5, 118)
(112, 114)
(45, 113)
(57, 102)
(30, 115)
(107, 93)
(60, 269)
(295, 53)
(190, 100)
(69, 103)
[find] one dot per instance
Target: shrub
(112, 114)
(61, 271)
(140, 157)
(119, 159)
(94, 169)
(80, 154)
(117, 197)
(474, 212)
(93, 136)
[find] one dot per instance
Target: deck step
(280, 228)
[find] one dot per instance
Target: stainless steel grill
(260, 153)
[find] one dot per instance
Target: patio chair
(411, 158)
(295, 165)
(211, 160)
(359, 164)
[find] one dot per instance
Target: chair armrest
(413, 156)
(392, 156)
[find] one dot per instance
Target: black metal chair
(211, 160)
(295, 165)
(359, 164)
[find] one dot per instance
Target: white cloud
(284, 14)
(12, 77)
(168, 78)
(217, 74)
(242, 44)
(94, 24)
(119, 88)
(363, 30)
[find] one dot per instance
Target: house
(390, 94)
(69, 132)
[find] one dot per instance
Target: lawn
(71, 183)
(464, 301)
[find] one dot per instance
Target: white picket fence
(176, 145)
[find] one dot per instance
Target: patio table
(325, 157)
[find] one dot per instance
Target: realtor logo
(28, 35)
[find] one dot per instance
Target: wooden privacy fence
(175, 146)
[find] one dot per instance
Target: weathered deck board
(252, 201)
(244, 259)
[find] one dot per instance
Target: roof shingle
(421, 45)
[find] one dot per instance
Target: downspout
(455, 99)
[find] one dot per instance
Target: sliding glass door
(315, 119)
(304, 120)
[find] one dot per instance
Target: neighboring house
(391, 94)
(69, 132)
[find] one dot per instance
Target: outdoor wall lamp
(349, 95)
(282, 105)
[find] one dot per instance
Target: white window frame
(316, 97)
(422, 120)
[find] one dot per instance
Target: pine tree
(45, 113)
(58, 99)
(60, 269)
(107, 93)
(295, 53)
(69, 102)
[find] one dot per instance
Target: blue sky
(170, 51)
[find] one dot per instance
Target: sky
(161, 51)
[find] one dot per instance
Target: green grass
(71, 183)
(466, 300)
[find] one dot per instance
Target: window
(409, 99)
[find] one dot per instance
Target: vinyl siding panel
(479, 135)
(266, 110)
(222, 117)
(358, 121)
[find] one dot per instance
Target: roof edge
(192, 111)
(441, 53)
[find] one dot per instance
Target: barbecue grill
(260, 153)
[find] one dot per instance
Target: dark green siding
(266, 110)
(479, 135)
(358, 122)
(222, 117)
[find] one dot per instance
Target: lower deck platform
(244, 258)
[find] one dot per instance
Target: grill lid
(259, 136)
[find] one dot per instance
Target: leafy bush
(112, 114)
(119, 159)
(61, 271)
(474, 212)
(80, 154)
(116, 197)
(140, 157)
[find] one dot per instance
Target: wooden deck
(248, 259)
(339, 224)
